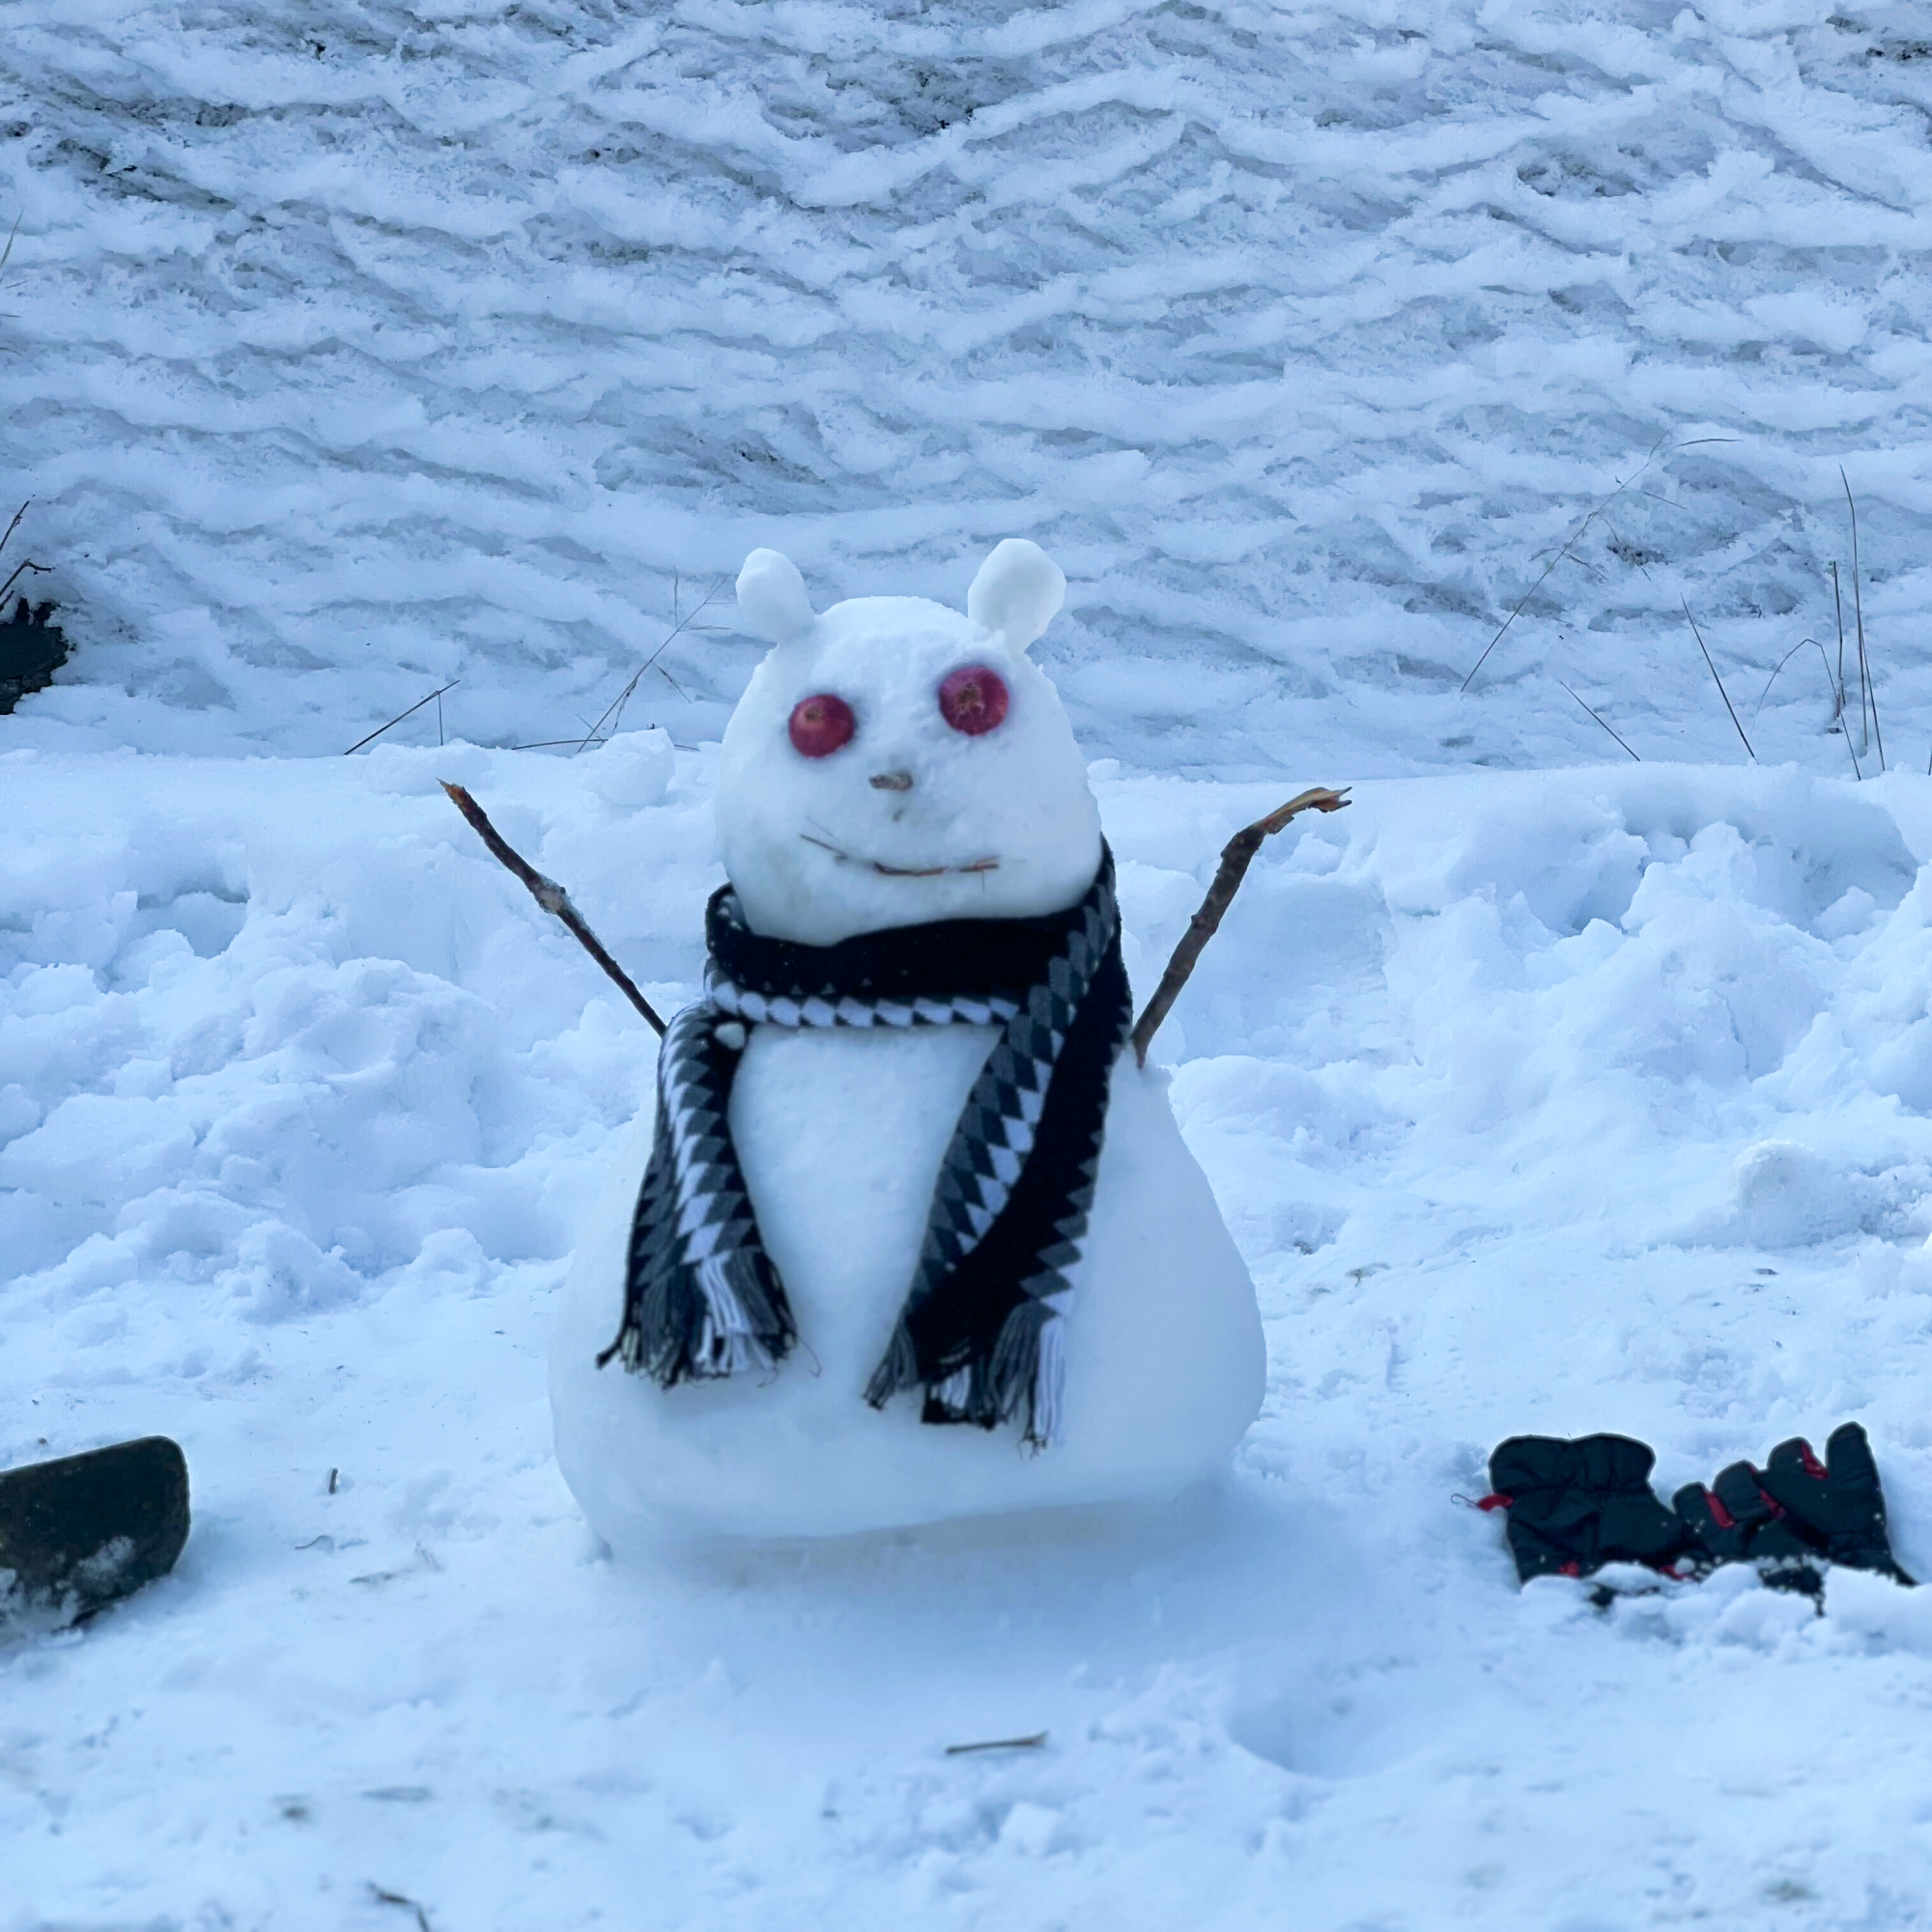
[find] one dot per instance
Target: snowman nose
(892, 781)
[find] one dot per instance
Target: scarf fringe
(703, 1324)
(898, 1371)
(1028, 1366)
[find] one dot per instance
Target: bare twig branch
(1036, 1741)
(1235, 857)
(401, 714)
(1602, 720)
(1716, 679)
(1867, 696)
(18, 514)
(7, 253)
(20, 570)
(551, 896)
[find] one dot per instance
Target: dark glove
(1794, 1513)
(1574, 1506)
(1836, 1505)
(1737, 1520)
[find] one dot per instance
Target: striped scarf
(981, 1331)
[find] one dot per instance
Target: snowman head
(893, 761)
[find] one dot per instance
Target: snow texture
(1535, 1101)
(362, 346)
(348, 348)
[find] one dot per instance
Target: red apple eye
(820, 725)
(973, 699)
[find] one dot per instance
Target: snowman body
(841, 1132)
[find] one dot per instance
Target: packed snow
(349, 350)
(1548, 1101)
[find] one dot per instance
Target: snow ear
(770, 595)
(1017, 593)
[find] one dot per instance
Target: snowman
(908, 1235)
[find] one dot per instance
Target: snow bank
(357, 346)
(1557, 1101)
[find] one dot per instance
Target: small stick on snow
(1037, 1741)
(1235, 856)
(384, 1896)
(551, 896)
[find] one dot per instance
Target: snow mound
(1787, 1196)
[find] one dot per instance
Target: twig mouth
(886, 871)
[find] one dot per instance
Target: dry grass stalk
(1837, 691)
(613, 712)
(1604, 722)
(435, 698)
(1717, 680)
(1569, 549)
(1838, 604)
(1235, 857)
(1867, 696)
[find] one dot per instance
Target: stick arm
(1236, 855)
(551, 896)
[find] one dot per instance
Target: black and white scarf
(981, 1329)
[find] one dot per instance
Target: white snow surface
(359, 346)
(1587, 1100)
(351, 349)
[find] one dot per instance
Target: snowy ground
(351, 347)
(348, 348)
(303, 1097)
